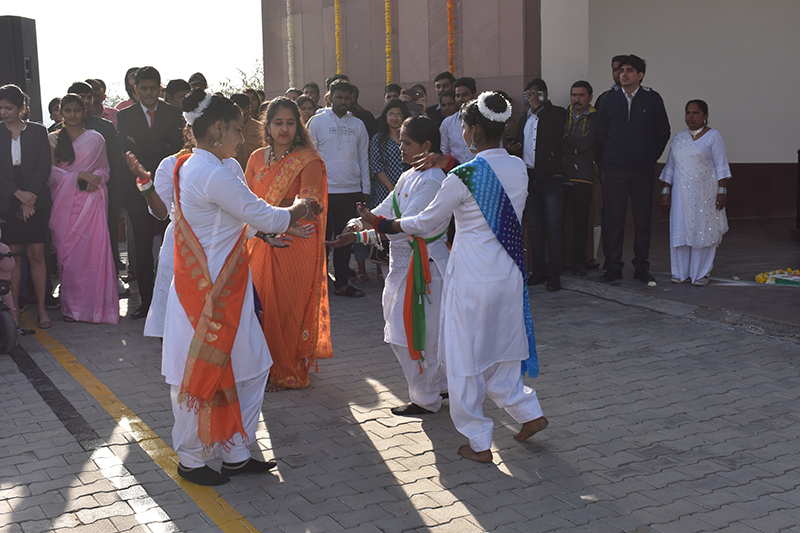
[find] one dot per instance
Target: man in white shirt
(451, 130)
(342, 141)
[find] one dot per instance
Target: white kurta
(165, 188)
(481, 320)
(482, 330)
(217, 205)
(712, 147)
(415, 190)
(687, 261)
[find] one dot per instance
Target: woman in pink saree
(78, 221)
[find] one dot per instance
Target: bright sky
(94, 39)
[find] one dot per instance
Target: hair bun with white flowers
(197, 112)
(495, 115)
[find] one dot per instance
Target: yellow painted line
(221, 512)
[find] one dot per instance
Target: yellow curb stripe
(221, 512)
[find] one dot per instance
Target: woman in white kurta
(165, 189)
(482, 331)
(217, 205)
(414, 190)
(695, 185)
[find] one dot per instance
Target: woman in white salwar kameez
(159, 193)
(414, 190)
(213, 207)
(485, 331)
(695, 188)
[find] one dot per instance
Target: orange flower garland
(451, 30)
(388, 14)
(338, 23)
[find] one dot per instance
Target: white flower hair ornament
(198, 111)
(493, 115)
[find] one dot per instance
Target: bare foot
(467, 452)
(530, 428)
(271, 387)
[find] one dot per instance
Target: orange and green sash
(214, 310)
(417, 290)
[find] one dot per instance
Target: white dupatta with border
(704, 224)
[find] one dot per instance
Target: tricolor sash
(417, 290)
(495, 205)
(214, 310)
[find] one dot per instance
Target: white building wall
(565, 46)
(737, 55)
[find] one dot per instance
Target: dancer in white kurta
(482, 332)
(415, 189)
(165, 188)
(426, 378)
(217, 205)
(695, 178)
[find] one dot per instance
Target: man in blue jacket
(634, 130)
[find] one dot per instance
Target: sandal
(69, 319)
(361, 278)
(44, 320)
(350, 292)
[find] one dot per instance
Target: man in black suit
(151, 129)
(634, 129)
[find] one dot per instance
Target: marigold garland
(388, 15)
(338, 23)
(451, 30)
(290, 41)
(770, 277)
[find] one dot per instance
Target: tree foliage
(254, 78)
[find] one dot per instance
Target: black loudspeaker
(19, 61)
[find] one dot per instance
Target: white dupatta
(704, 224)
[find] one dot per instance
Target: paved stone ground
(657, 424)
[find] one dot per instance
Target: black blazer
(633, 141)
(149, 146)
(549, 132)
(119, 170)
(36, 160)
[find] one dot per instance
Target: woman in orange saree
(291, 282)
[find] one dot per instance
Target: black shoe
(643, 275)
(410, 409)
(579, 270)
(251, 465)
(611, 275)
(554, 283)
(51, 302)
(537, 278)
(202, 476)
(141, 312)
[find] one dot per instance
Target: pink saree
(80, 235)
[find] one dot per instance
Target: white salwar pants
(502, 382)
(689, 262)
(187, 444)
(424, 389)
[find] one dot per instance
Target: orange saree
(292, 282)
